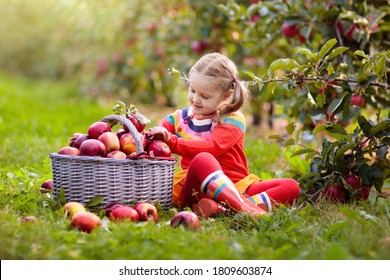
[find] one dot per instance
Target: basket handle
(134, 132)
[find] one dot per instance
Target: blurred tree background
(321, 64)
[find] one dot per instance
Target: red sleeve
(223, 138)
(165, 123)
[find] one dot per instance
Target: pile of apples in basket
(102, 140)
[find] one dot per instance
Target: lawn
(38, 117)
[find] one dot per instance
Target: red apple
(353, 180)
(47, 185)
(122, 213)
(127, 144)
(146, 211)
(110, 141)
(187, 219)
(92, 147)
(69, 151)
(159, 148)
(74, 138)
(120, 132)
(71, 208)
(77, 143)
(116, 154)
(357, 100)
(289, 30)
(98, 128)
(138, 120)
(199, 46)
(111, 206)
(363, 193)
(85, 221)
(29, 219)
(336, 193)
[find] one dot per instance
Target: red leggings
(280, 190)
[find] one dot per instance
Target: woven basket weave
(124, 181)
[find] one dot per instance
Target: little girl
(209, 137)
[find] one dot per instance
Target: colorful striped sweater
(224, 140)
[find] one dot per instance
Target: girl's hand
(161, 133)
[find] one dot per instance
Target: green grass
(37, 118)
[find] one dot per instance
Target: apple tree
(327, 64)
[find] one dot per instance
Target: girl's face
(204, 96)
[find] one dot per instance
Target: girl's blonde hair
(223, 71)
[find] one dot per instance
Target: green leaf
(307, 53)
(95, 201)
(380, 127)
(336, 52)
(360, 53)
(282, 63)
(256, 79)
(365, 126)
(302, 151)
(380, 66)
(320, 128)
(341, 151)
(290, 128)
(289, 142)
(334, 105)
(326, 47)
(320, 100)
(277, 137)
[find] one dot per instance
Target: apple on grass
(123, 213)
(85, 221)
(158, 148)
(146, 211)
(98, 128)
(110, 141)
(29, 219)
(111, 206)
(92, 147)
(69, 151)
(71, 208)
(186, 218)
(47, 185)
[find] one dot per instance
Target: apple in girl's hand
(116, 154)
(98, 128)
(122, 213)
(92, 147)
(146, 211)
(186, 218)
(77, 143)
(85, 221)
(71, 208)
(69, 151)
(110, 141)
(159, 148)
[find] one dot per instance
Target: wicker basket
(122, 181)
